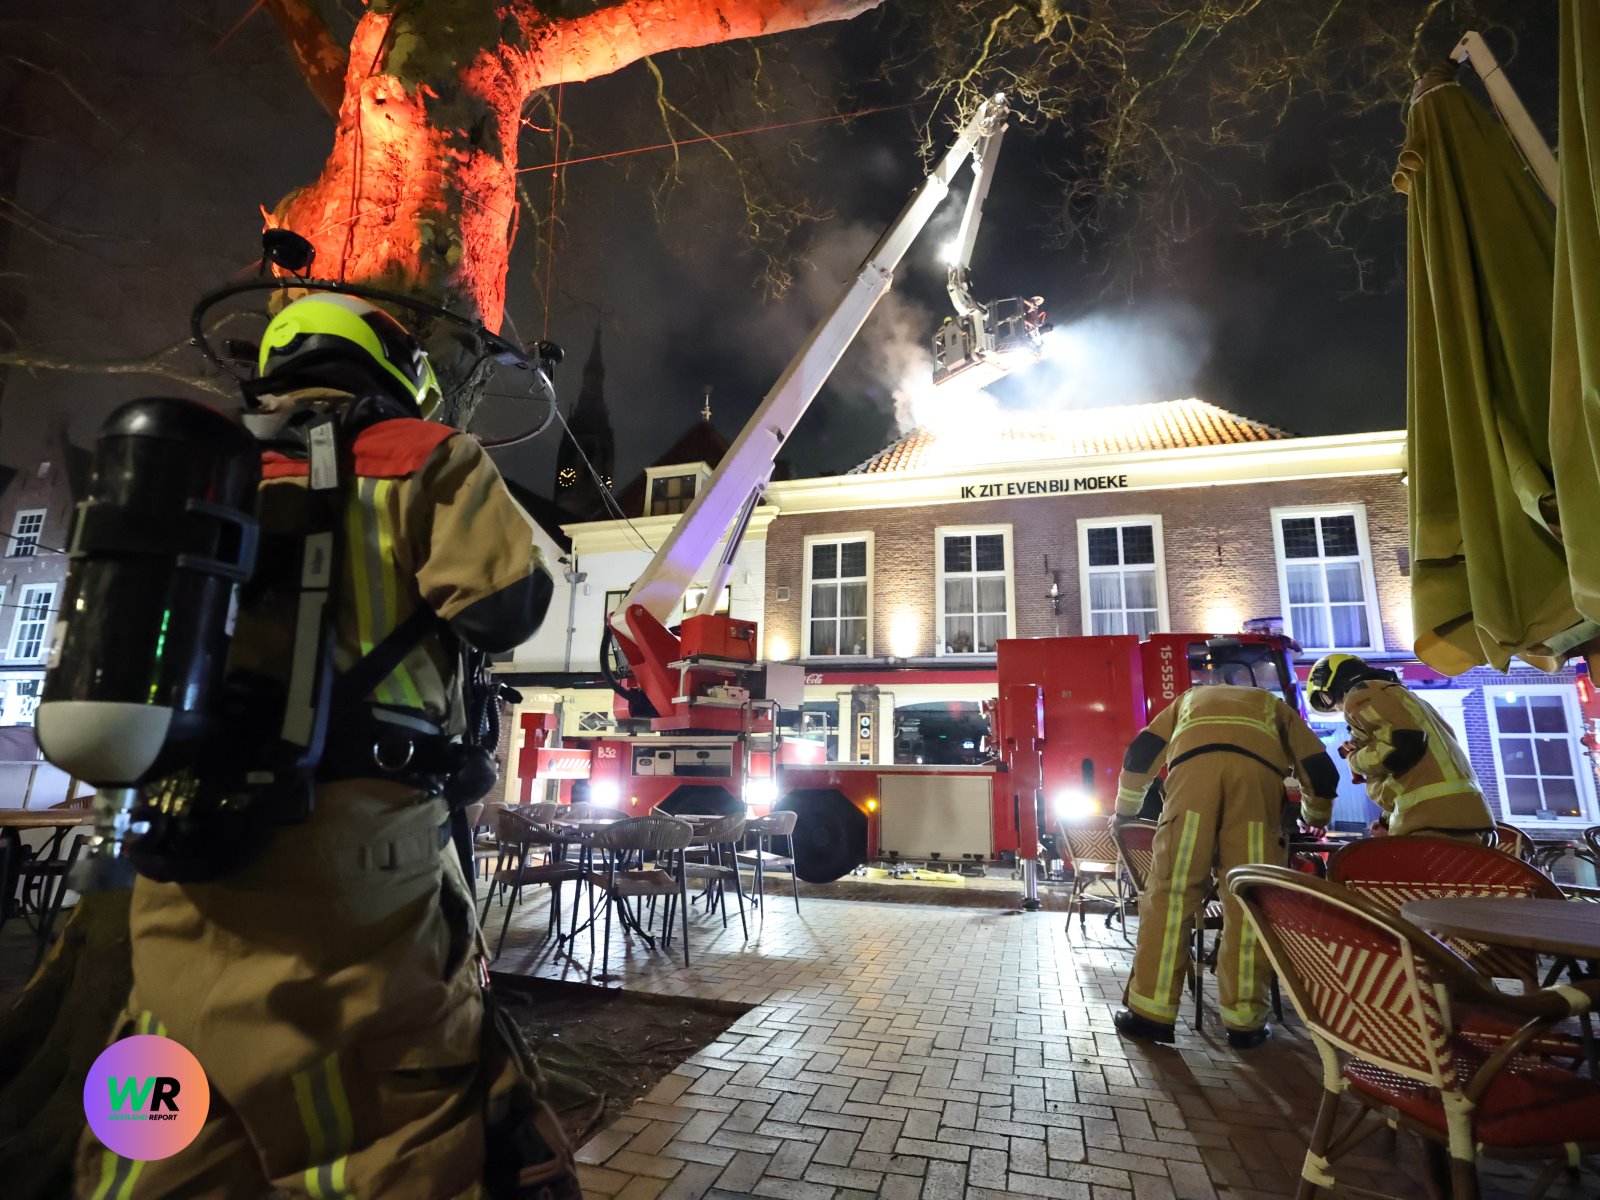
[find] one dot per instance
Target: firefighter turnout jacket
(1227, 750)
(330, 986)
(1415, 770)
(428, 523)
(1249, 722)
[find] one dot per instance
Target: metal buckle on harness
(378, 761)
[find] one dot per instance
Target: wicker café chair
(709, 858)
(665, 838)
(1393, 870)
(516, 834)
(1086, 844)
(1136, 855)
(766, 831)
(1379, 998)
(1508, 839)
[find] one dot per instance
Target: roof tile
(1124, 429)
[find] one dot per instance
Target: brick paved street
(904, 1051)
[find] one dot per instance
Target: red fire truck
(1066, 709)
(705, 717)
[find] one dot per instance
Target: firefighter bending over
(1227, 751)
(330, 985)
(1414, 768)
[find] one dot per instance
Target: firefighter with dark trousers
(1413, 767)
(332, 986)
(1227, 751)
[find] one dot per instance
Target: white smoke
(1098, 361)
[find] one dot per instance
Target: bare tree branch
(322, 61)
(618, 35)
(163, 364)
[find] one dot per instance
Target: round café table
(1564, 928)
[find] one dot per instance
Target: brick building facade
(1180, 517)
(36, 506)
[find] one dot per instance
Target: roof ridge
(1180, 422)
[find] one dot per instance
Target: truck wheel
(830, 838)
(705, 799)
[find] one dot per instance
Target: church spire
(589, 427)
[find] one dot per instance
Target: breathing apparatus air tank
(134, 688)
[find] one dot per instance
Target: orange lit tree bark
(419, 190)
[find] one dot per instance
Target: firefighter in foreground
(1228, 751)
(1414, 768)
(331, 985)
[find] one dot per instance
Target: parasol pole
(1535, 150)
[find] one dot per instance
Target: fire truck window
(1242, 666)
(940, 732)
(816, 721)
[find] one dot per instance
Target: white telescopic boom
(983, 160)
(743, 472)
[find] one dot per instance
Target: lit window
(25, 531)
(1124, 590)
(671, 494)
(838, 587)
(695, 597)
(1325, 577)
(974, 589)
(33, 621)
(1535, 740)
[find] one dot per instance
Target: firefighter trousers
(330, 992)
(1222, 811)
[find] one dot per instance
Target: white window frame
(699, 471)
(805, 594)
(1368, 580)
(1085, 524)
(23, 593)
(1581, 769)
(14, 545)
(939, 534)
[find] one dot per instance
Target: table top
(45, 818)
(1567, 927)
(586, 823)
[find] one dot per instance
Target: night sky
(146, 150)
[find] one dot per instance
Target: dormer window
(672, 494)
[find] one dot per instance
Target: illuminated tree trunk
(419, 192)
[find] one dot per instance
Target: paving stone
(837, 1147)
(945, 1181)
(717, 1156)
(744, 1172)
(603, 1145)
(635, 1163)
(791, 1159)
(953, 1052)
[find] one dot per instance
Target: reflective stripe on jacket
(1249, 720)
(427, 521)
(1440, 790)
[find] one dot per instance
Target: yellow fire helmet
(1330, 678)
(336, 341)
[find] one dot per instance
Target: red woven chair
(1088, 846)
(1394, 870)
(1508, 839)
(1379, 998)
